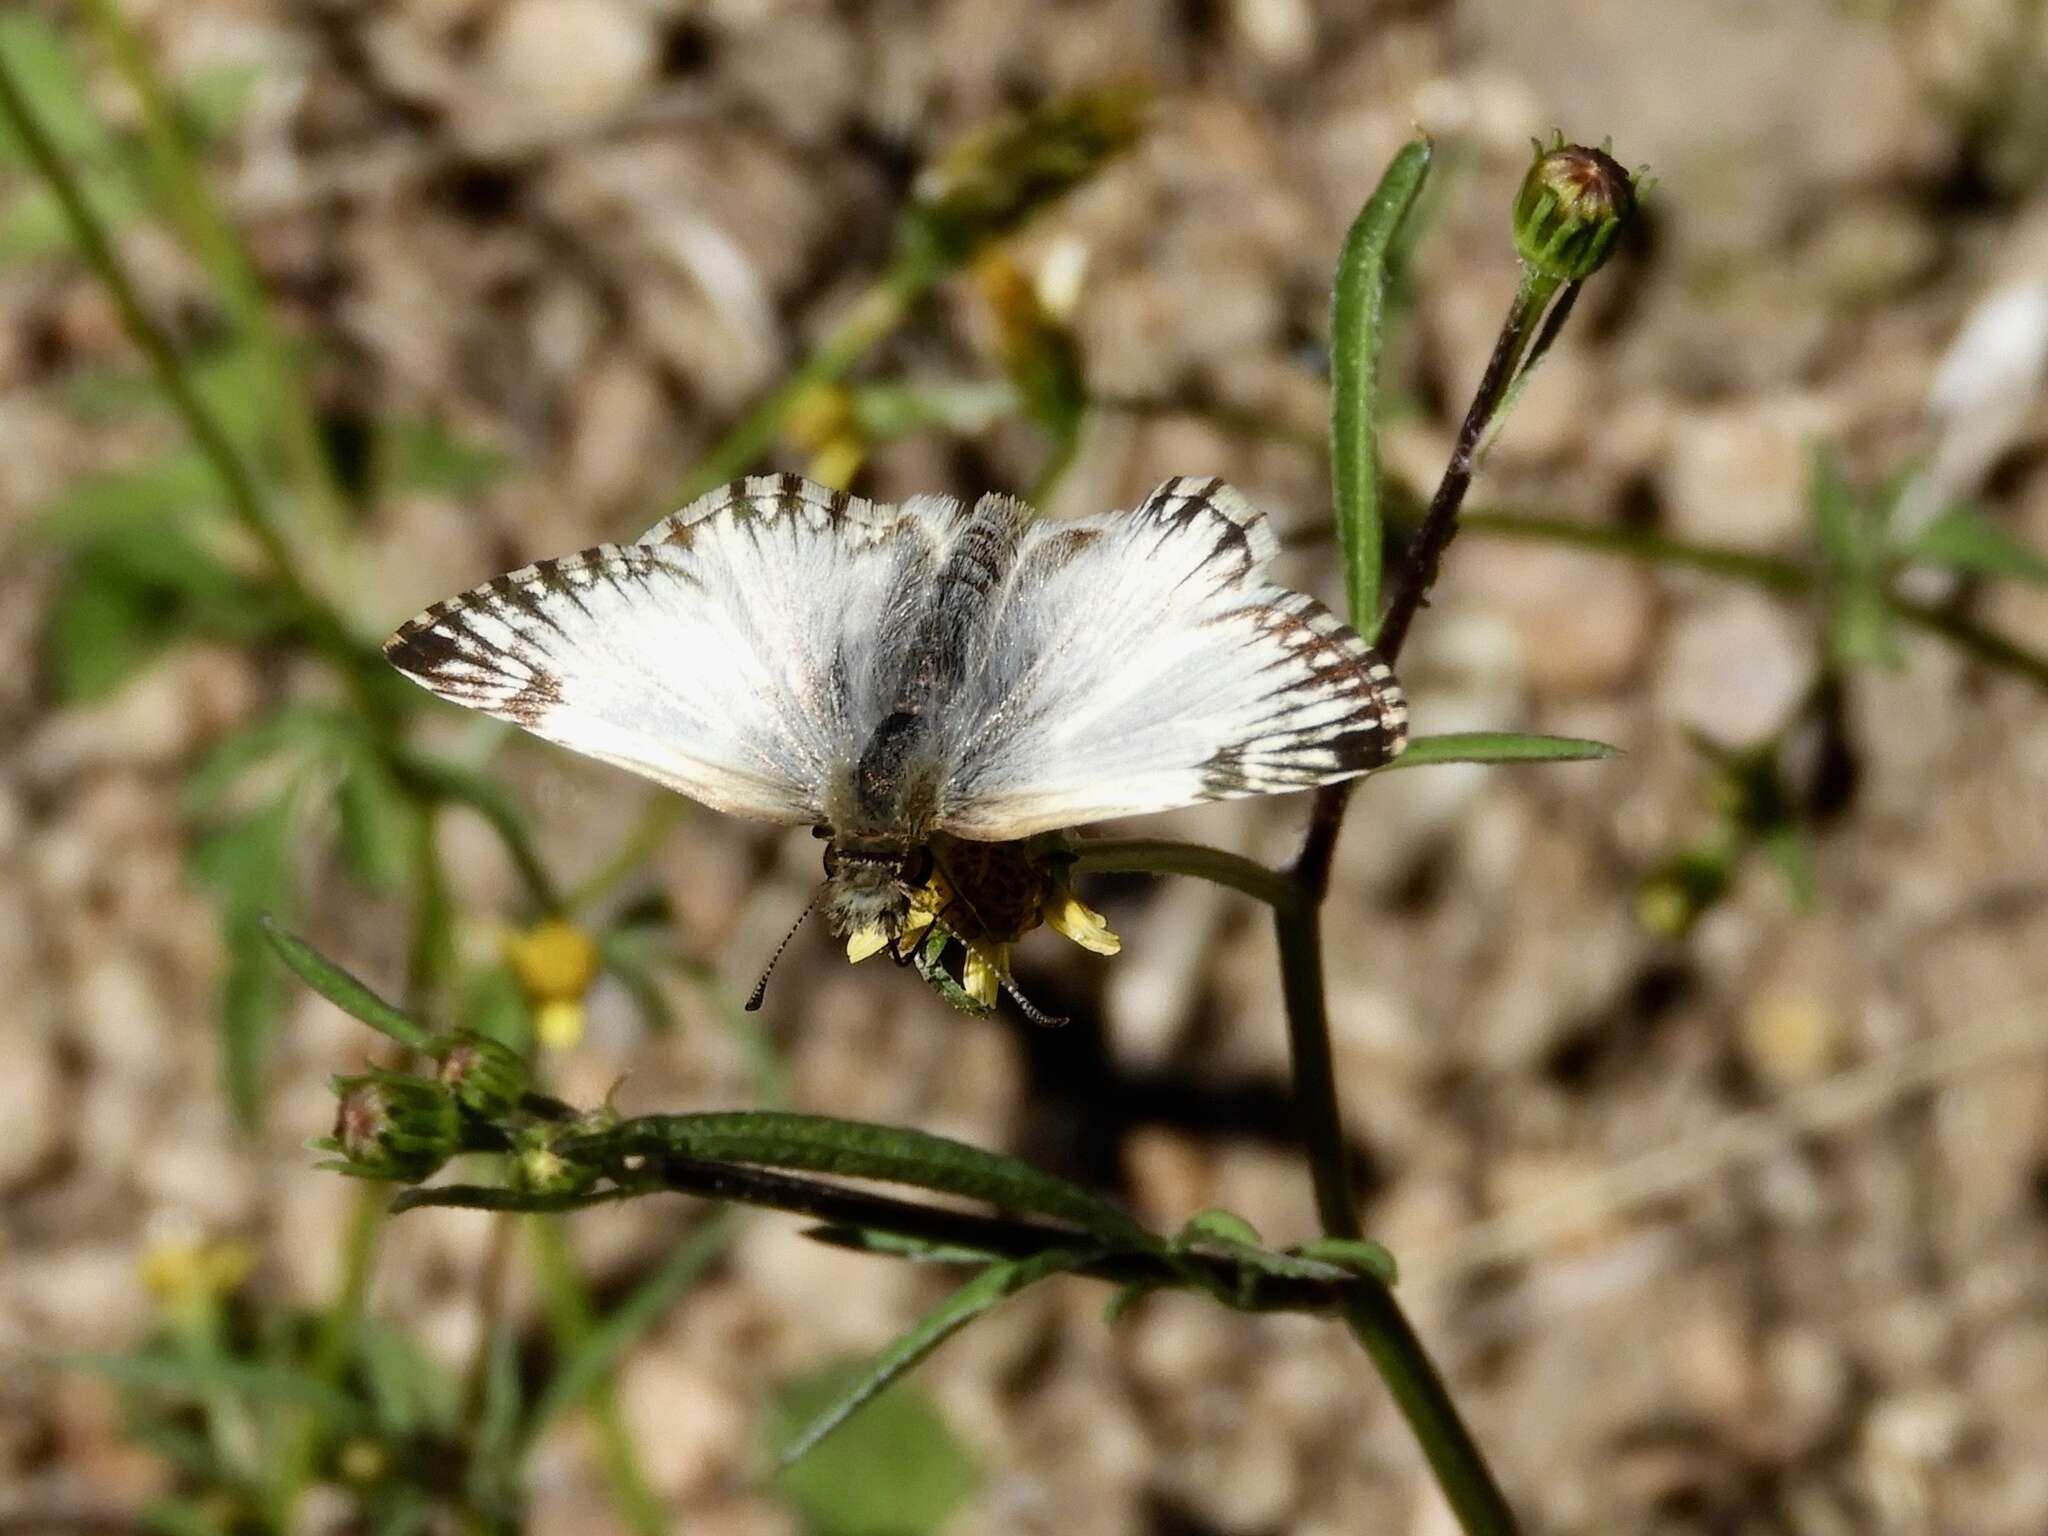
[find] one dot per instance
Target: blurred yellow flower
(555, 962)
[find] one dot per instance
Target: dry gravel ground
(589, 231)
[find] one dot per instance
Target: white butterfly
(890, 674)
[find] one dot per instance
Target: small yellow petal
(917, 921)
(863, 942)
(559, 1022)
(1080, 923)
(978, 977)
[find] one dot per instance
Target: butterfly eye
(831, 859)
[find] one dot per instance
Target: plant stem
(244, 498)
(874, 315)
(1157, 856)
(213, 237)
(1440, 522)
(570, 1319)
(1390, 1341)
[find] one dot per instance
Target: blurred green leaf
(40, 60)
(994, 1285)
(309, 730)
(601, 1352)
(1356, 312)
(439, 778)
(1785, 845)
(819, 1144)
(377, 821)
(199, 1376)
(32, 222)
(245, 862)
(215, 98)
(129, 504)
(1964, 539)
(102, 630)
(340, 988)
(426, 456)
(1853, 582)
(410, 1391)
(178, 1517)
(896, 1470)
(1357, 1254)
(1498, 747)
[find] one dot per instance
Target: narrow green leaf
(1964, 539)
(410, 1390)
(342, 989)
(1498, 747)
(1853, 579)
(102, 630)
(819, 1144)
(37, 56)
(600, 1353)
(495, 1197)
(196, 1376)
(178, 1517)
(985, 1291)
(1356, 313)
(1357, 1254)
(1785, 844)
(439, 779)
(896, 1245)
(244, 862)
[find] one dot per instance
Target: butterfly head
(871, 891)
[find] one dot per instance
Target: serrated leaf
(1964, 539)
(1498, 747)
(1357, 311)
(819, 1144)
(342, 989)
(984, 1292)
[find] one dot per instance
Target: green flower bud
(391, 1126)
(539, 1166)
(1573, 203)
(487, 1077)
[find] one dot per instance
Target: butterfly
(902, 676)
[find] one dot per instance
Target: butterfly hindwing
(730, 654)
(1142, 661)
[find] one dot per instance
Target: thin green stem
(1440, 523)
(1390, 1341)
(570, 1319)
(1300, 932)
(214, 238)
(874, 315)
(244, 498)
(1155, 856)
(1770, 572)
(639, 845)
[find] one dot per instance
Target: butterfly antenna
(1029, 1009)
(761, 987)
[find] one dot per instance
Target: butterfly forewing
(730, 654)
(1142, 661)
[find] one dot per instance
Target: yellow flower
(555, 962)
(1068, 915)
(182, 1270)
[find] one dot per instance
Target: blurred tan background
(1742, 1231)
